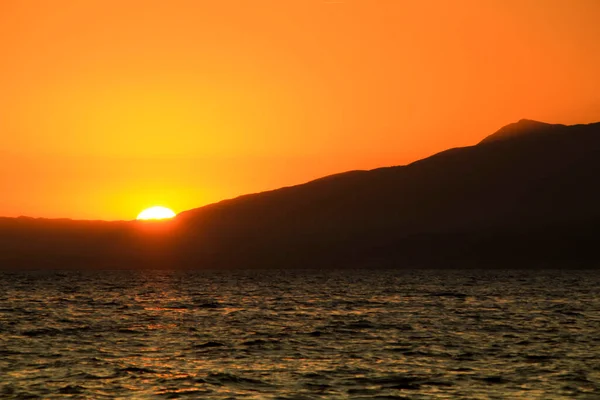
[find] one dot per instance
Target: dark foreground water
(293, 335)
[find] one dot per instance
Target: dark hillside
(527, 194)
(524, 182)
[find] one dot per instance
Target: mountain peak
(523, 127)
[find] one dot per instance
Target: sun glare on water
(157, 212)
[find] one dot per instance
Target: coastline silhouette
(526, 193)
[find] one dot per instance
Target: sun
(157, 212)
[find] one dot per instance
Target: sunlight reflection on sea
(300, 335)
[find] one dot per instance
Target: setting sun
(157, 212)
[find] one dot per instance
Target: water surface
(300, 335)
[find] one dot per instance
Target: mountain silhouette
(528, 180)
(525, 127)
(526, 195)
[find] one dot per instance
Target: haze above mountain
(527, 192)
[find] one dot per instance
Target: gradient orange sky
(111, 106)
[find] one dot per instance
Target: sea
(302, 334)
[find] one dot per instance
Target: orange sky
(111, 106)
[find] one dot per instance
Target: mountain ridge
(540, 177)
(517, 129)
(528, 196)
(522, 129)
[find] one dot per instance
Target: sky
(111, 106)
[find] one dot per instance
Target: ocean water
(300, 335)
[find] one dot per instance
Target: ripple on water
(295, 335)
